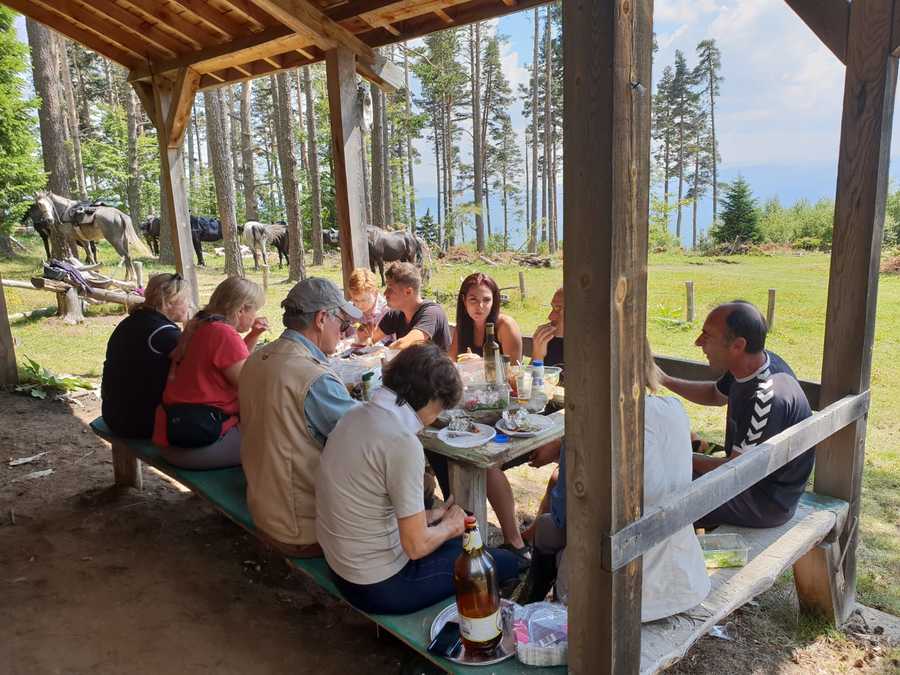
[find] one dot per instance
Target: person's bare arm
(413, 337)
(454, 346)
(702, 393)
(549, 452)
(233, 372)
(704, 464)
(510, 338)
(260, 326)
(418, 540)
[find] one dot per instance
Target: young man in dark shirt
(411, 318)
(764, 398)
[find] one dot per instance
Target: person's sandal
(523, 555)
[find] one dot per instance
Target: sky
(778, 116)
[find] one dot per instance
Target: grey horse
(386, 246)
(108, 223)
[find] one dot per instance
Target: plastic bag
(541, 630)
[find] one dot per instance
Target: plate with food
(521, 423)
(464, 433)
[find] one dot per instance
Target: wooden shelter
(174, 48)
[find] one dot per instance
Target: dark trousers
(420, 583)
(748, 509)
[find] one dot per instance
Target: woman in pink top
(197, 423)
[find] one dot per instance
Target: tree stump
(70, 307)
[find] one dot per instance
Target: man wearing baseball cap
(290, 401)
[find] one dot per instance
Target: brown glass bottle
(477, 594)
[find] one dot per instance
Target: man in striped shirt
(764, 398)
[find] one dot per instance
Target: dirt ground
(99, 580)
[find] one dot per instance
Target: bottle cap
(501, 438)
(537, 363)
(471, 521)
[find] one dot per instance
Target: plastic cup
(523, 386)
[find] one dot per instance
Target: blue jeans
(420, 583)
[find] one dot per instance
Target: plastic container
(724, 550)
(541, 630)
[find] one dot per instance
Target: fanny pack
(193, 425)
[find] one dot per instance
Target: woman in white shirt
(387, 554)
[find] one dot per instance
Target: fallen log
(33, 314)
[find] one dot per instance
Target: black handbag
(193, 425)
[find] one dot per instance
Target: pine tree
(740, 218)
(707, 75)
(664, 132)
(20, 169)
(684, 115)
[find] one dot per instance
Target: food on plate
(462, 424)
(519, 420)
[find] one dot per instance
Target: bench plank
(772, 551)
(226, 489)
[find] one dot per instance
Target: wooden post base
(468, 484)
(820, 583)
(70, 308)
(126, 467)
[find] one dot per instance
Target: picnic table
(468, 466)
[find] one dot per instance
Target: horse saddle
(82, 213)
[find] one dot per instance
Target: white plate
(485, 435)
(503, 651)
(539, 422)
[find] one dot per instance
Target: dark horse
(403, 246)
(203, 228)
(331, 238)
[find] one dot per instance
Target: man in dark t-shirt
(764, 398)
(411, 318)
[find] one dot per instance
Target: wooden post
(770, 310)
(607, 116)
(70, 308)
(869, 89)
(522, 285)
(9, 375)
(468, 485)
(126, 467)
(346, 135)
(139, 273)
(172, 105)
(265, 275)
(689, 301)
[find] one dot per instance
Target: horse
(257, 236)
(203, 228)
(42, 227)
(107, 222)
(331, 238)
(386, 246)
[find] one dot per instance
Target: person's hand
(468, 356)
(438, 513)
(455, 521)
(539, 341)
(260, 325)
(545, 454)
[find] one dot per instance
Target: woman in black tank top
(477, 305)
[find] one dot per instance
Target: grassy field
(801, 283)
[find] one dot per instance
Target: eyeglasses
(345, 322)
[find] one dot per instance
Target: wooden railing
(727, 481)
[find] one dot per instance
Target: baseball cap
(315, 294)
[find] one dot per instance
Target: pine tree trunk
(251, 209)
(301, 139)
(377, 159)
(505, 198)
(189, 158)
(680, 171)
(286, 157)
(715, 157)
(45, 68)
(477, 158)
(386, 172)
(532, 231)
(364, 150)
(198, 145)
(72, 119)
(438, 177)
(222, 169)
(546, 209)
(527, 186)
(132, 112)
(315, 187)
(409, 148)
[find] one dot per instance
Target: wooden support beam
(194, 34)
(142, 29)
(828, 19)
(869, 88)
(183, 92)
(144, 91)
(92, 39)
(8, 372)
(256, 69)
(253, 13)
(446, 18)
(306, 19)
(212, 17)
(173, 200)
(606, 155)
(347, 148)
(820, 582)
(718, 486)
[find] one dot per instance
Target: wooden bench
(663, 642)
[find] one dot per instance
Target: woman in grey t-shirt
(389, 555)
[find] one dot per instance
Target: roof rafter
(828, 19)
(145, 30)
(212, 17)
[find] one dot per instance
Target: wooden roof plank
(144, 29)
(828, 19)
(252, 12)
(232, 76)
(194, 33)
(89, 39)
(212, 17)
(93, 21)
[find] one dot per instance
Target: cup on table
(523, 385)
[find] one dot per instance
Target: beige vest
(279, 454)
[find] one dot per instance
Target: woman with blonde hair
(137, 356)
(197, 423)
(367, 297)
